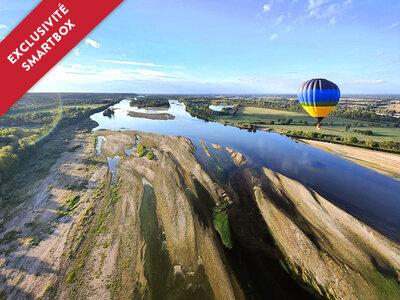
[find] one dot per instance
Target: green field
(331, 125)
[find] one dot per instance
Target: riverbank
(381, 162)
(89, 237)
(381, 138)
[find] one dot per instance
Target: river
(369, 196)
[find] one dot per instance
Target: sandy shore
(381, 162)
(159, 212)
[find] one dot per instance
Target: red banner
(42, 39)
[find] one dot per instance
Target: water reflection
(370, 196)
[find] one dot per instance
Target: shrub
(141, 150)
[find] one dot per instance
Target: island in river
(106, 223)
(151, 116)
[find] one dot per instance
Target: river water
(369, 196)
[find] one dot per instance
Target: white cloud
(379, 52)
(393, 25)
(2, 26)
(92, 43)
(324, 9)
(316, 3)
(267, 7)
(76, 51)
(279, 20)
(76, 73)
(379, 81)
(273, 37)
(135, 63)
(355, 50)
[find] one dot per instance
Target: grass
(331, 126)
(46, 290)
(386, 288)
(221, 224)
(68, 206)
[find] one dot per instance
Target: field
(331, 125)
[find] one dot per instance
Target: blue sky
(186, 46)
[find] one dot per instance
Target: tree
(7, 162)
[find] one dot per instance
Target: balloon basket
(318, 126)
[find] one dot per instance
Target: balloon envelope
(318, 97)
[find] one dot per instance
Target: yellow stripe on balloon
(318, 111)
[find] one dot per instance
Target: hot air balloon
(318, 97)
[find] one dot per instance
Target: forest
(150, 101)
(36, 116)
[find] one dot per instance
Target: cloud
(279, 20)
(355, 50)
(312, 4)
(76, 73)
(393, 25)
(267, 7)
(92, 43)
(273, 37)
(326, 9)
(379, 52)
(76, 51)
(135, 63)
(2, 26)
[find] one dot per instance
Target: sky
(229, 47)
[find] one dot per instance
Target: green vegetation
(141, 150)
(68, 206)
(355, 123)
(37, 117)
(221, 224)
(108, 112)
(386, 287)
(150, 101)
(10, 236)
(150, 155)
(72, 276)
(390, 146)
(114, 197)
(46, 291)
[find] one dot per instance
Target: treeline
(389, 146)
(203, 111)
(17, 142)
(360, 114)
(46, 101)
(367, 113)
(363, 115)
(150, 101)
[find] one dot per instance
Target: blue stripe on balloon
(318, 96)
